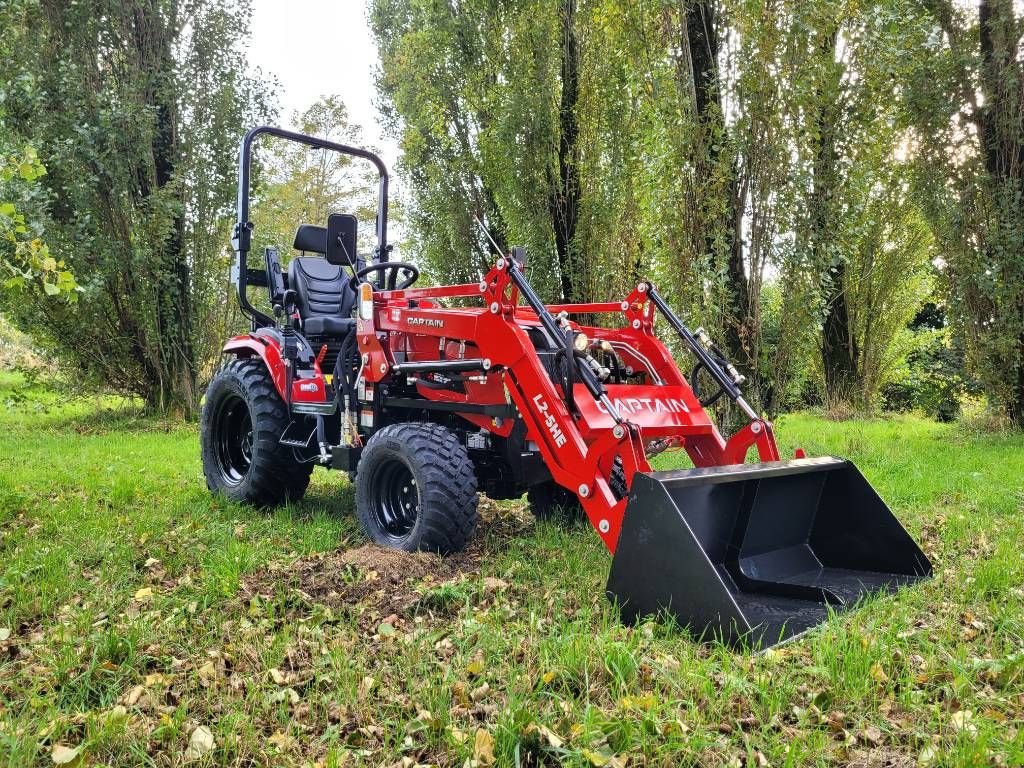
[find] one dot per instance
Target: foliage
(138, 609)
(25, 258)
(694, 167)
(932, 376)
(476, 91)
(136, 109)
(964, 97)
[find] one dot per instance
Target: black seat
(324, 296)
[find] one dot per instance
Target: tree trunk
(839, 355)
(1001, 134)
(563, 202)
(702, 42)
(174, 391)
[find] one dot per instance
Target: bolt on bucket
(756, 554)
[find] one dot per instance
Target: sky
(317, 48)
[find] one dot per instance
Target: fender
(307, 389)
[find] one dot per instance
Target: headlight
(581, 343)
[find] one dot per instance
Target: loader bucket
(756, 554)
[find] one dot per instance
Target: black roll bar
(241, 240)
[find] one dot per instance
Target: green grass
(124, 657)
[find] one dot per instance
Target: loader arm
(588, 433)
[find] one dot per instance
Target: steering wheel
(412, 274)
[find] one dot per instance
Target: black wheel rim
(233, 439)
(396, 498)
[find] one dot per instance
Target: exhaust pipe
(757, 554)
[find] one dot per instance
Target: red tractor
(425, 405)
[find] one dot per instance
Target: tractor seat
(324, 296)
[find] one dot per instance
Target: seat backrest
(321, 288)
(310, 238)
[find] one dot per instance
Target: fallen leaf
(547, 677)
(285, 694)
(483, 747)
(550, 736)
(596, 758)
(135, 695)
(491, 584)
(5, 633)
(365, 686)
(150, 562)
(386, 630)
(878, 673)
(476, 666)
(459, 737)
(116, 713)
(928, 755)
(63, 755)
(207, 673)
(146, 593)
(872, 735)
(200, 743)
(480, 693)
(961, 721)
(278, 676)
(281, 740)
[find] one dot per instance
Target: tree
(137, 108)
(711, 145)
(865, 242)
(965, 98)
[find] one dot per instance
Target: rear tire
(242, 421)
(550, 501)
(416, 489)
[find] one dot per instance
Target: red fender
(310, 389)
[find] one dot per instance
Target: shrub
(932, 378)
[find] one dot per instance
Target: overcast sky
(317, 48)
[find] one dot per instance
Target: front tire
(242, 421)
(416, 489)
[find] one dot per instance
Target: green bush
(932, 379)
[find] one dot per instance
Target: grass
(127, 623)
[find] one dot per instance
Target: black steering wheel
(412, 274)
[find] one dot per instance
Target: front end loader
(426, 404)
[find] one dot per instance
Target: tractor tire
(242, 421)
(550, 501)
(416, 489)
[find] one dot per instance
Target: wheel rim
(396, 498)
(233, 440)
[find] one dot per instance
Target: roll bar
(241, 239)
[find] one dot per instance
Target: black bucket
(756, 554)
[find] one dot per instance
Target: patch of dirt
(375, 582)
(880, 758)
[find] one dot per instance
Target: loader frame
(579, 452)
